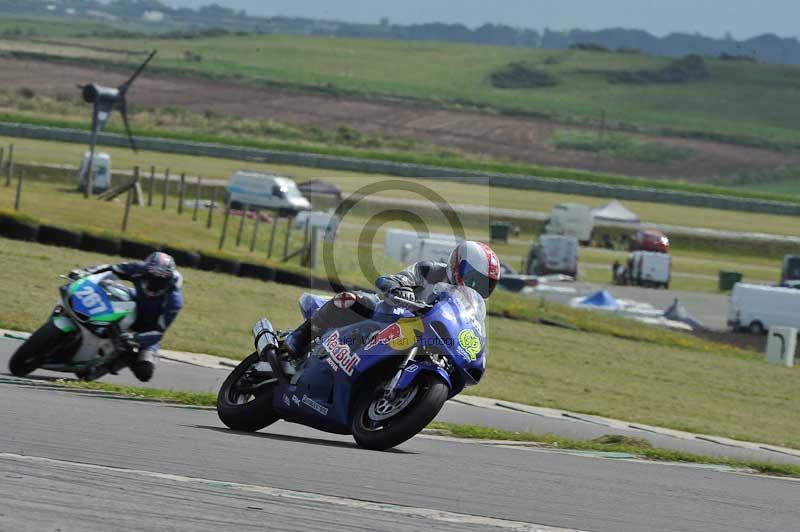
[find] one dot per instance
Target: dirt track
(510, 138)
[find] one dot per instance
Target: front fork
(389, 389)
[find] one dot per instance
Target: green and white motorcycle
(87, 331)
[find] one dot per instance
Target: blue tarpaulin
(601, 299)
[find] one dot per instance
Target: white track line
(355, 504)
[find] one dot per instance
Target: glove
(401, 295)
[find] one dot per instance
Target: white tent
(615, 212)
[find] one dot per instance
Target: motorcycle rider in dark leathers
(159, 299)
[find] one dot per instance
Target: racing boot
(296, 343)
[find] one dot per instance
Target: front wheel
(380, 423)
(244, 401)
(34, 352)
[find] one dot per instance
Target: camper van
(267, 192)
(756, 308)
(101, 172)
(409, 246)
(790, 274)
(649, 268)
(553, 254)
(571, 219)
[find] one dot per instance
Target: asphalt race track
(177, 376)
(71, 460)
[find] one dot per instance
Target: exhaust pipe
(264, 337)
(266, 343)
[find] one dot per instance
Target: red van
(650, 240)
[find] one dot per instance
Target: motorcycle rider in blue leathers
(159, 298)
(471, 264)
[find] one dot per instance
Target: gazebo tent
(615, 212)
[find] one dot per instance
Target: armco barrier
(563, 186)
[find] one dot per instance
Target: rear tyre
(34, 352)
(240, 406)
(757, 328)
(379, 424)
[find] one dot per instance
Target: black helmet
(159, 270)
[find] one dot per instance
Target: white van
(101, 171)
(409, 246)
(571, 219)
(756, 308)
(553, 254)
(649, 268)
(267, 192)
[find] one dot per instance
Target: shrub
(690, 68)
(520, 75)
(588, 47)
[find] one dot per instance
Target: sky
(742, 18)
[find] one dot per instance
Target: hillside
(740, 101)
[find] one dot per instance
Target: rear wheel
(757, 328)
(380, 423)
(244, 401)
(34, 352)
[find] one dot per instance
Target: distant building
(153, 16)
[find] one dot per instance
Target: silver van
(267, 192)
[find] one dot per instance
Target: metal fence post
(286, 238)
(129, 199)
(255, 231)
(272, 237)
(10, 167)
(181, 192)
(241, 225)
(18, 197)
(304, 255)
(165, 191)
(211, 207)
(197, 198)
(225, 225)
(151, 186)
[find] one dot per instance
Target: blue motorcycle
(382, 380)
(84, 333)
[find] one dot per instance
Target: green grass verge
(451, 159)
(140, 392)
(618, 146)
(617, 444)
(595, 364)
(610, 443)
(58, 153)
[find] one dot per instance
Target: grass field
(58, 204)
(701, 387)
(619, 146)
(750, 101)
(30, 151)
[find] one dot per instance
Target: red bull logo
(340, 353)
(400, 335)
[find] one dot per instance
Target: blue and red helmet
(475, 265)
(159, 271)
